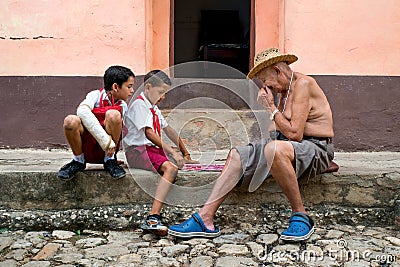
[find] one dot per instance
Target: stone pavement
(250, 245)
(347, 233)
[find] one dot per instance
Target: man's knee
(113, 117)
(278, 150)
(72, 122)
(233, 160)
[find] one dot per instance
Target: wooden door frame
(172, 32)
(267, 29)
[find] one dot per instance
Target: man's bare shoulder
(309, 83)
(305, 80)
(305, 83)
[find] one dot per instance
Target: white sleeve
(91, 123)
(141, 115)
(91, 99)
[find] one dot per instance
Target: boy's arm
(91, 123)
(156, 139)
(174, 137)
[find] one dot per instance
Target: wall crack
(27, 38)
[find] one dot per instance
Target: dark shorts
(312, 157)
(92, 150)
(145, 157)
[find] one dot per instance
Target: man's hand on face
(265, 98)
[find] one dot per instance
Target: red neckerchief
(156, 121)
(105, 102)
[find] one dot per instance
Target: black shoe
(68, 171)
(114, 169)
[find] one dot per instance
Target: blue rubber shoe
(193, 227)
(301, 227)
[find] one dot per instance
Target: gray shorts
(312, 157)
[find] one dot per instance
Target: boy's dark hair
(157, 78)
(116, 74)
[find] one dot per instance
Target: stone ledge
(42, 190)
(28, 178)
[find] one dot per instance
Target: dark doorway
(213, 30)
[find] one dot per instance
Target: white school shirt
(94, 97)
(137, 118)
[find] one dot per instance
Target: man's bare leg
(226, 181)
(280, 155)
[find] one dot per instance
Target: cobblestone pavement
(240, 245)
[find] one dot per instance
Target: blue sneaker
(193, 227)
(301, 227)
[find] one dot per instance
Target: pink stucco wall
(266, 24)
(343, 37)
(82, 38)
(77, 38)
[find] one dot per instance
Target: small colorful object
(203, 167)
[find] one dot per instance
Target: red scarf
(105, 102)
(156, 121)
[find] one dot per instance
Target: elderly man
(301, 146)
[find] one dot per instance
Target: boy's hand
(110, 151)
(178, 159)
(189, 160)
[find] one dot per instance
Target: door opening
(212, 30)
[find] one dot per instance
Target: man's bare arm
(300, 108)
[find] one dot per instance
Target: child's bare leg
(169, 171)
(113, 124)
(73, 129)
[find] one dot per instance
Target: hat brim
(289, 59)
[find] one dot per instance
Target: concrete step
(365, 180)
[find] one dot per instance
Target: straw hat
(269, 57)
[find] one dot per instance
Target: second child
(145, 147)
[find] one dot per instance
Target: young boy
(146, 148)
(94, 141)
